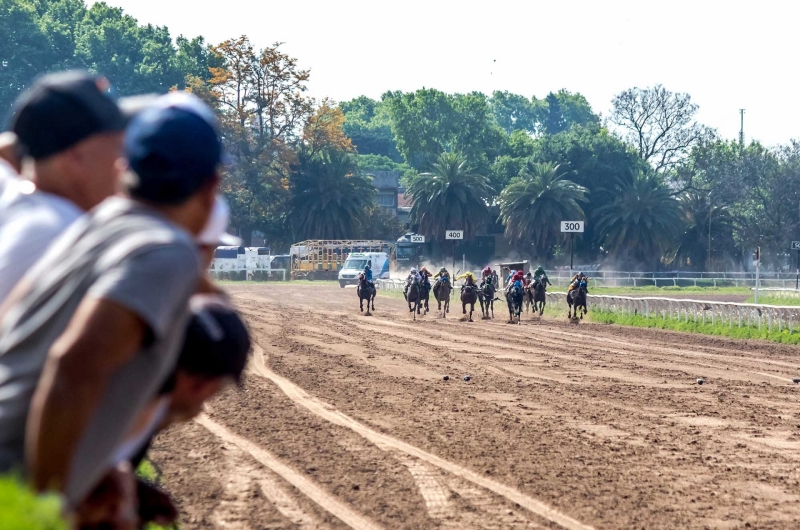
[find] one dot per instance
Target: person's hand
(112, 504)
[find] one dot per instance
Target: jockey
(486, 273)
(540, 275)
(518, 276)
(528, 279)
(411, 276)
(368, 273)
(424, 274)
(469, 279)
(577, 279)
(441, 276)
(510, 276)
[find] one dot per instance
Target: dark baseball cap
(217, 341)
(173, 148)
(61, 110)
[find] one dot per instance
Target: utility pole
(741, 130)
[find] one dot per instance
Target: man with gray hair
(95, 327)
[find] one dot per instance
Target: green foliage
(534, 204)
(428, 122)
(368, 124)
(720, 329)
(55, 35)
(384, 163)
(641, 220)
(20, 509)
(699, 215)
(450, 197)
(331, 200)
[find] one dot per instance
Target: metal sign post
(796, 247)
(455, 235)
(758, 270)
(572, 227)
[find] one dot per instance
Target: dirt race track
(345, 421)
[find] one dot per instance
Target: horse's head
(582, 285)
(361, 276)
(489, 280)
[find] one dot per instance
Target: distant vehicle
(355, 263)
(324, 259)
(229, 263)
(408, 253)
(247, 263)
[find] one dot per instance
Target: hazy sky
(727, 55)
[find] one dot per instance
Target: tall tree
(263, 112)
(642, 220)
(562, 110)
(449, 197)
(534, 204)
(659, 124)
(331, 200)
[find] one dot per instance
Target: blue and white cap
(173, 148)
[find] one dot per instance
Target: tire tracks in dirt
(331, 414)
(312, 491)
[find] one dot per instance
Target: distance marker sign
(417, 239)
(454, 234)
(572, 226)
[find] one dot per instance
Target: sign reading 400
(454, 234)
(572, 226)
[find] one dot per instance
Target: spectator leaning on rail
(214, 354)
(85, 346)
(70, 133)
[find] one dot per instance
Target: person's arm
(102, 336)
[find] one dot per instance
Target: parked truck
(323, 259)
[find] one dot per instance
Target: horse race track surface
(345, 421)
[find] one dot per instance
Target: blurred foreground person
(10, 160)
(214, 355)
(96, 328)
(70, 133)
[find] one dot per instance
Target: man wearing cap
(70, 133)
(95, 327)
(214, 354)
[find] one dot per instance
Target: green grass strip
(719, 329)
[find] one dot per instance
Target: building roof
(404, 201)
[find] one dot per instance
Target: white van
(378, 262)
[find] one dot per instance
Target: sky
(727, 55)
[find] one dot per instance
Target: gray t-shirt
(121, 251)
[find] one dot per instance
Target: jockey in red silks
(486, 273)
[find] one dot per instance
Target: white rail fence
(390, 285)
(705, 311)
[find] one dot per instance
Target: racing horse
(365, 291)
(486, 296)
(514, 297)
(527, 297)
(539, 292)
(576, 298)
(469, 295)
(413, 296)
(425, 295)
(442, 295)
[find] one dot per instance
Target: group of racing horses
(532, 296)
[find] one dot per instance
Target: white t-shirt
(30, 220)
(7, 175)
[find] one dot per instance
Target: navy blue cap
(173, 148)
(61, 110)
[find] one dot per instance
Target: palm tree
(331, 200)
(449, 197)
(640, 222)
(534, 204)
(701, 216)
